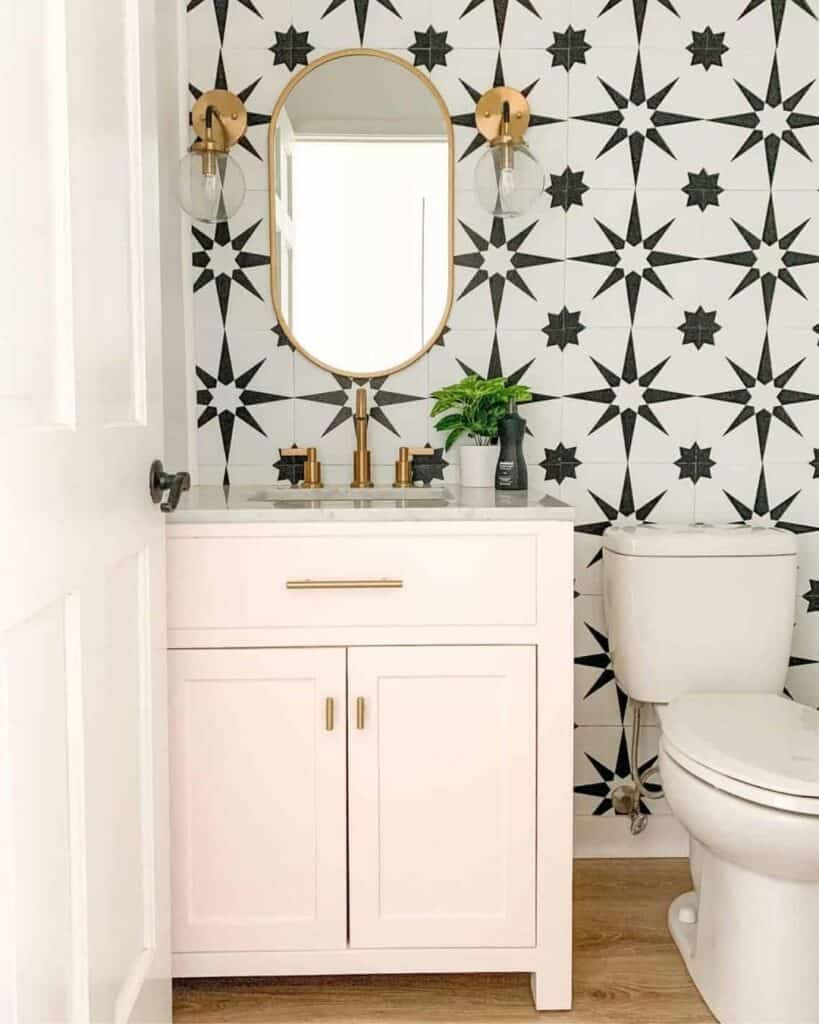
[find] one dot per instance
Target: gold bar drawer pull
(359, 712)
(380, 584)
(329, 714)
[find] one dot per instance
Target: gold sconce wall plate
(229, 126)
(489, 113)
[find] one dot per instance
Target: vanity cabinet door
(442, 796)
(258, 787)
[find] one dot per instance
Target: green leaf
(452, 437)
(448, 422)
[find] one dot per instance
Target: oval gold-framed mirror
(362, 212)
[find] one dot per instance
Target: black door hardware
(174, 483)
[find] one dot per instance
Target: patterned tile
(603, 762)
(507, 23)
(253, 77)
(631, 393)
(763, 256)
(765, 400)
(608, 494)
(382, 24)
(774, 494)
(231, 269)
(598, 700)
(660, 300)
(628, 125)
(633, 258)
(503, 269)
(244, 398)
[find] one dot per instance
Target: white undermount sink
(427, 496)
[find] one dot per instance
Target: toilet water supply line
(627, 798)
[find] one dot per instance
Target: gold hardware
(329, 714)
(224, 127)
(219, 119)
(382, 584)
(359, 712)
(291, 452)
(365, 52)
(405, 464)
(493, 127)
(361, 456)
(312, 470)
(403, 469)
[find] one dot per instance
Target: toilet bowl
(748, 931)
(700, 622)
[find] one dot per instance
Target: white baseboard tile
(610, 837)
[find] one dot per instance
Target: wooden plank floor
(627, 971)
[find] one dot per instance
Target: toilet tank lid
(700, 540)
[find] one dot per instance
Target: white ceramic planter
(478, 462)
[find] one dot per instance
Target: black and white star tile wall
(662, 301)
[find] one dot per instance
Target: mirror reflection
(361, 211)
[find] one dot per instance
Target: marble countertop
(283, 503)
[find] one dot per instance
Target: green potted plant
(474, 408)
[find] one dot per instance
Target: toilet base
(750, 941)
(749, 944)
(682, 923)
(684, 932)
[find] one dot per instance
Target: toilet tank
(699, 608)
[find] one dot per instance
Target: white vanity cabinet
(442, 796)
(259, 789)
(371, 744)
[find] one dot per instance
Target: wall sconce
(508, 178)
(210, 183)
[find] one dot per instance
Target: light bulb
(509, 180)
(210, 197)
(211, 187)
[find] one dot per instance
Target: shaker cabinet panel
(258, 786)
(442, 796)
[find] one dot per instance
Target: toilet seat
(754, 794)
(760, 747)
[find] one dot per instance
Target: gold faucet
(361, 457)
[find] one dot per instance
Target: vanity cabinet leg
(542, 984)
(533, 983)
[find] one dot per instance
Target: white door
(83, 804)
(258, 798)
(442, 796)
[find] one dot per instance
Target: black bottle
(510, 474)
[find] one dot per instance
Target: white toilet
(700, 623)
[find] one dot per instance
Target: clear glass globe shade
(210, 197)
(509, 180)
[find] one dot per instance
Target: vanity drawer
(328, 581)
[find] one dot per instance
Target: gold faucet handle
(312, 470)
(403, 467)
